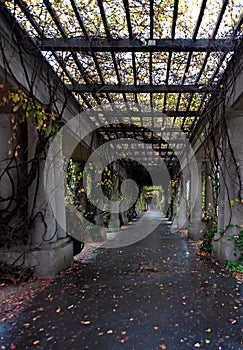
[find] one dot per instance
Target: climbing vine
(22, 166)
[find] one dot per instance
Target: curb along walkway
(154, 294)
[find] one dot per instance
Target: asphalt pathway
(154, 294)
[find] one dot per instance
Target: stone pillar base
(114, 224)
(224, 249)
(196, 230)
(47, 260)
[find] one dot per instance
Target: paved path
(155, 294)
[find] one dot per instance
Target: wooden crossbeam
(136, 45)
(99, 88)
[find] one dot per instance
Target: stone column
(51, 249)
(196, 227)
(182, 220)
(231, 192)
(44, 225)
(59, 178)
(208, 188)
(114, 224)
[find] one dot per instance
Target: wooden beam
(157, 114)
(99, 88)
(136, 45)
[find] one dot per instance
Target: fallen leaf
(162, 346)
(36, 342)
(208, 330)
(85, 322)
(197, 345)
(207, 341)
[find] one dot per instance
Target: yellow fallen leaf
(208, 330)
(123, 332)
(26, 325)
(85, 322)
(207, 341)
(36, 342)
(162, 346)
(58, 309)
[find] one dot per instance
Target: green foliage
(234, 266)
(74, 176)
(206, 245)
(109, 180)
(238, 239)
(28, 109)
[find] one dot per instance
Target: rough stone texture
(231, 210)
(196, 226)
(47, 260)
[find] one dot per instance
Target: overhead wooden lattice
(169, 55)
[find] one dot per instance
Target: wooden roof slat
(129, 27)
(199, 21)
(157, 114)
(194, 37)
(175, 14)
(32, 21)
(140, 88)
(65, 37)
(224, 6)
(108, 35)
(207, 54)
(151, 54)
(136, 45)
(82, 26)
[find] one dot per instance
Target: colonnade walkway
(155, 294)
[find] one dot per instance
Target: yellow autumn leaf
(15, 108)
(85, 322)
(16, 98)
(36, 342)
(58, 309)
(208, 330)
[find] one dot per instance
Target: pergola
(169, 56)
